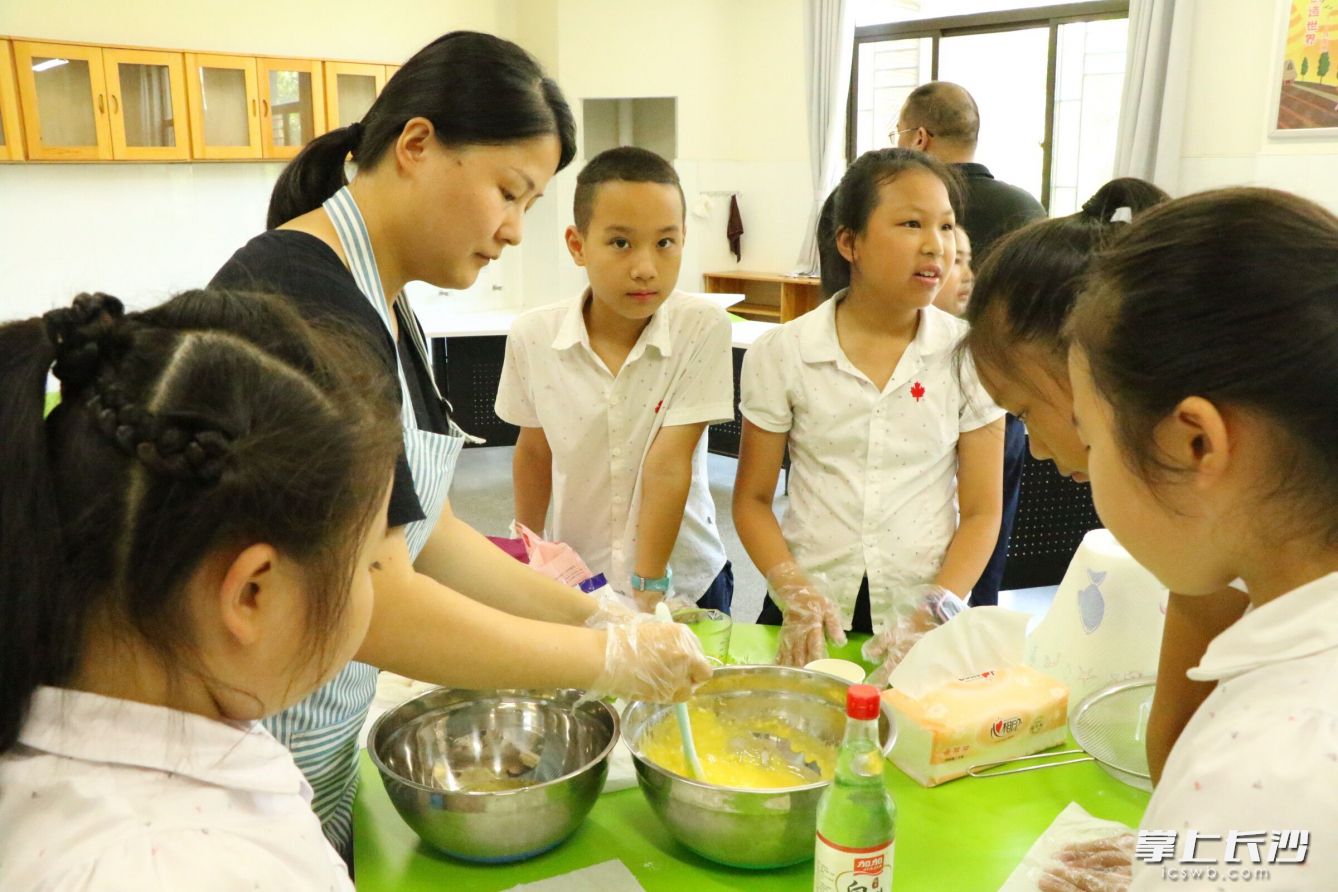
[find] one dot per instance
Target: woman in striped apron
(456, 148)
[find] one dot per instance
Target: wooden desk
(770, 297)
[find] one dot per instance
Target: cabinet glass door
(224, 106)
(63, 97)
(350, 89)
(11, 133)
(292, 105)
(146, 93)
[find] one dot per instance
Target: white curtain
(829, 37)
(1156, 75)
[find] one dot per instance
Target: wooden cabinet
(146, 99)
(224, 100)
(63, 97)
(350, 89)
(768, 297)
(292, 104)
(73, 102)
(11, 131)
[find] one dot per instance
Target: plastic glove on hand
(611, 609)
(925, 607)
(1100, 865)
(647, 600)
(809, 617)
(648, 660)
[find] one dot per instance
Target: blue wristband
(659, 584)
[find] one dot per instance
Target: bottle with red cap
(856, 815)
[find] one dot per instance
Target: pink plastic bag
(553, 559)
(513, 547)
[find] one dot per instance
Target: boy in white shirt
(613, 391)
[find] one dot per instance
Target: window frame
(1050, 17)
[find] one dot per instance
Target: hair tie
(1122, 215)
(355, 133)
(85, 336)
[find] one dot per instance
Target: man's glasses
(892, 136)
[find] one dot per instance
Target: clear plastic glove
(915, 612)
(808, 616)
(646, 600)
(611, 609)
(1099, 865)
(649, 660)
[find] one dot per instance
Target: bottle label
(843, 869)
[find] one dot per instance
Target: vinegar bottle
(856, 815)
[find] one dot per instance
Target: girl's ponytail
(1128, 193)
(313, 176)
(832, 267)
(40, 618)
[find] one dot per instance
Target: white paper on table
(622, 770)
(1072, 825)
(609, 876)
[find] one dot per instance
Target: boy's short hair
(627, 164)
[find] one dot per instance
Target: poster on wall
(1307, 96)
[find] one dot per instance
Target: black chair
(469, 371)
(723, 438)
(1053, 514)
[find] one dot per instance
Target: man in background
(941, 119)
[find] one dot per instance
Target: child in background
(1018, 310)
(613, 391)
(186, 547)
(1204, 363)
(956, 291)
(888, 433)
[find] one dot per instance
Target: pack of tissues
(964, 696)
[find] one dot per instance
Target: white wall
(143, 231)
(1234, 67)
(737, 70)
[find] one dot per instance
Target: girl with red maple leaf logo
(888, 434)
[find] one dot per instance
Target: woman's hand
(807, 616)
(649, 660)
(610, 610)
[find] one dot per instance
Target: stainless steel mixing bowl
(494, 776)
(737, 826)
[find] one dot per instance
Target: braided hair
(88, 338)
(212, 422)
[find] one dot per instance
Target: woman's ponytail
(313, 176)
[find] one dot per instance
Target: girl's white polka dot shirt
(873, 473)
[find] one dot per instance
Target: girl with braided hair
(187, 545)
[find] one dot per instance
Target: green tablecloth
(966, 835)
